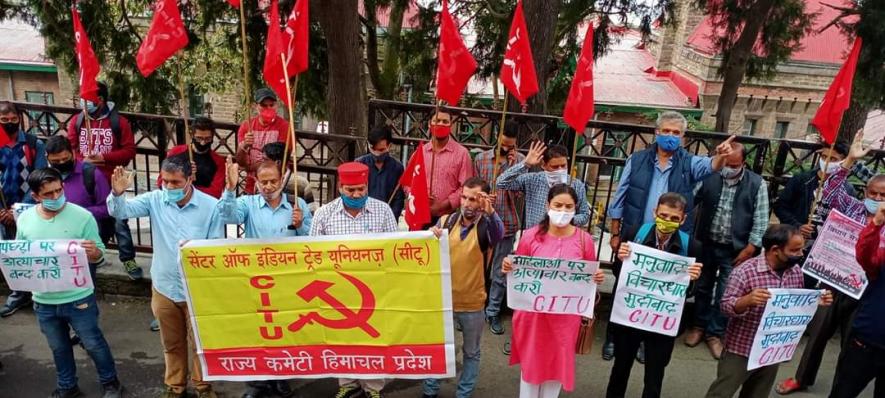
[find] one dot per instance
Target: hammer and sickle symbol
(360, 319)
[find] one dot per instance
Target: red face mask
(268, 115)
(440, 131)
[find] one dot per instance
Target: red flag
(166, 36)
(579, 104)
(296, 38)
(455, 64)
(518, 70)
(89, 67)
(273, 65)
(234, 3)
(418, 203)
(838, 97)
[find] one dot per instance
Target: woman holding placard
(544, 344)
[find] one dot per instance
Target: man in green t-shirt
(76, 309)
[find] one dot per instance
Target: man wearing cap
(354, 213)
(265, 128)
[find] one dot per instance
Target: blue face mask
(90, 106)
(173, 195)
(54, 204)
(352, 203)
(871, 205)
(668, 143)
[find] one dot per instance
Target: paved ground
(29, 370)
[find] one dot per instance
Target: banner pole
(498, 144)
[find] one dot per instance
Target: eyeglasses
(203, 140)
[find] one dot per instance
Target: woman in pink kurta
(544, 344)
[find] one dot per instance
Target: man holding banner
(76, 308)
(178, 213)
(861, 358)
(354, 213)
(664, 235)
(838, 316)
(266, 215)
(744, 303)
(472, 230)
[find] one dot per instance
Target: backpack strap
(642, 234)
(451, 220)
(684, 241)
(89, 179)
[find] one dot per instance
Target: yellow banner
(377, 298)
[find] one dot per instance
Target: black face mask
(65, 167)
(10, 128)
(382, 157)
(201, 147)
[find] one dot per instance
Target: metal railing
(601, 154)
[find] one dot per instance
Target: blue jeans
(472, 326)
(710, 287)
(81, 315)
(499, 282)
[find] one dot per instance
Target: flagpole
(246, 68)
(498, 144)
(574, 169)
(184, 112)
(291, 101)
(432, 151)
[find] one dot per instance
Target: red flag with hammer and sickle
(86, 60)
(273, 64)
(166, 36)
(838, 97)
(296, 38)
(518, 70)
(579, 105)
(418, 203)
(455, 64)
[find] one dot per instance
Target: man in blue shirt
(384, 170)
(267, 214)
(177, 213)
(23, 154)
(662, 167)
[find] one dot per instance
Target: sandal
(789, 386)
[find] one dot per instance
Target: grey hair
(876, 179)
(177, 164)
(671, 116)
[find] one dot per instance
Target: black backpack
(113, 117)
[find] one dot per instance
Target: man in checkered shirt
(744, 303)
(354, 213)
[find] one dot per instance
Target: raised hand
(487, 202)
(857, 150)
(724, 149)
(121, 180)
(232, 174)
(536, 152)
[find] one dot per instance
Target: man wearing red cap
(449, 164)
(354, 213)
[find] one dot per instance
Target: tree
(346, 90)
(384, 73)
(753, 37)
(863, 19)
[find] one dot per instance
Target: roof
(22, 46)
(625, 75)
(829, 47)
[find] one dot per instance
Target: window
(39, 121)
(749, 127)
(781, 129)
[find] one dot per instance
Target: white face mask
(830, 168)
(557, 177)
(560, 218)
